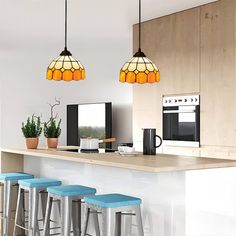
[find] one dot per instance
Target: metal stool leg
(86, 220)
(66, 209)
(96, 224)
(76, 218)
(22, 205)
(139, 221)
(108, 222)
(30, 212)
(34, 212)
(43, 203)
(46, 229)
(7, 207)
(17, 216)
(118, 224)
(59, 207)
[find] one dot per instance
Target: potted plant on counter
(52, 131)
(32, 130)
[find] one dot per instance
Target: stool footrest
(60, 233)
(21, 227)
(125, 214)
(95, 212)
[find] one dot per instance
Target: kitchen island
(159, 180)
(155, 164)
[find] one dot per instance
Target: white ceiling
(42, 20)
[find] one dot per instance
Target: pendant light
(139, 69)
(65, 67)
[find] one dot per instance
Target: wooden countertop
(155, 164)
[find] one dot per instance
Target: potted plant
(32, 130)
(52, 129)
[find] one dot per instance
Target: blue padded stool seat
(111, 207)
(9, 180)
(15, 176)
(71, 190)
(112, 200)
(39, 182)
(70, 198)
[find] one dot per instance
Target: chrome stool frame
(36, 188)
(33, 204)
(111, 218)
(70, 209)
(7, 203)
(8, 181)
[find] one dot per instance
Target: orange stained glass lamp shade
(66, 68)
(139, 70)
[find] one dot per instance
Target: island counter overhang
(12, 160)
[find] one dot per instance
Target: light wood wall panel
(172, 42)
(218, 77)
(196, 53)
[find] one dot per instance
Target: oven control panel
(186, 100)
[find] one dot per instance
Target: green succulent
(52, 128)
(32, 128)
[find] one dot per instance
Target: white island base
(191, 202)
(163, 194)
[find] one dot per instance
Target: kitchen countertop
(155, 164)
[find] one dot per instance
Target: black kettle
(149, 141)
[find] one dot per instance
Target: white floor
(195, 203)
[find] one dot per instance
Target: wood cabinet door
(218, 73)
(173, 44)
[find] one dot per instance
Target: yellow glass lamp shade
(66, 68)
(139, 70)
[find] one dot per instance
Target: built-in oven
(181, 120)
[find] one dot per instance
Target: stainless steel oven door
(181, 125)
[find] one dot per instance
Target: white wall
(100, 35)
(25, 56)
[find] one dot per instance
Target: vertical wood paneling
(217, 73)
(196, 52)
(172, 42)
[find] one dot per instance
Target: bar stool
(70, 198)
(9, 180)
(35, 187)
(112, 207)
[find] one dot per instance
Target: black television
(89, 120)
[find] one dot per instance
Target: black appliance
(149, 141)
(181, 120)
(89, 120)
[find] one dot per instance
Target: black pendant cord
(65, 24)
(65, 52)
(139, 53)
(140, 28)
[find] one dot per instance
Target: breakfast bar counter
(169, 185)
(155, 164)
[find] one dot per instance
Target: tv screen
(89, 120)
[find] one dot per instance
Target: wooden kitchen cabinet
(185, 75)
(172, 43)
(218, 74)
(196, 53)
